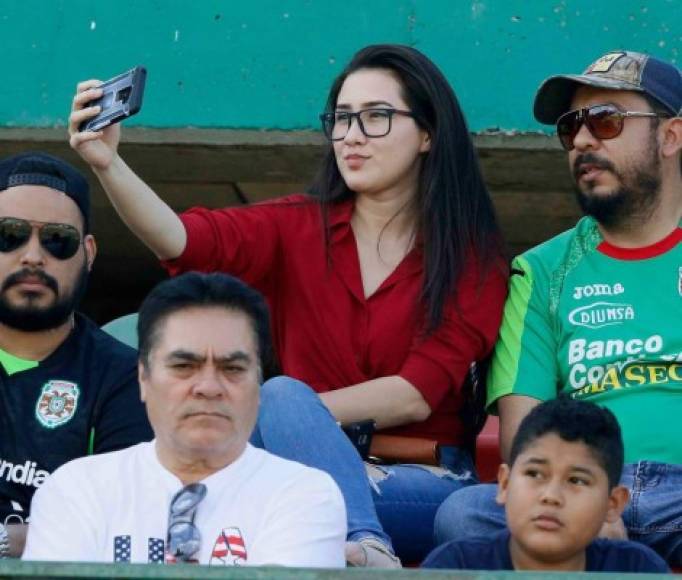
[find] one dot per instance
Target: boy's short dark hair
(195, 290)
(573, 420)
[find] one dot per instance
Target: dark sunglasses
(184, 539)
(603, 121)
(60, 240)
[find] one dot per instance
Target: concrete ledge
(232, 138)
(54, 571)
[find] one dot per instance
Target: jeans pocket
(656, 503)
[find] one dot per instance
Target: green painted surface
(48, 571)
(267, 64)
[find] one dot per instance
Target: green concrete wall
(267, 64)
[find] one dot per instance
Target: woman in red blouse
(385, 283)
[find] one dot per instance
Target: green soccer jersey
(603, 324)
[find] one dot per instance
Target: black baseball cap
(35, 168)
(618, 70)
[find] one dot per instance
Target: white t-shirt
(259, 510)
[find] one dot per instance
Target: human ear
(502, 483)
(671, 138)
(90, 250)
(141, 379)
(426, 143)
(618, 499)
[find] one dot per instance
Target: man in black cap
(67, 389)
(595, 313)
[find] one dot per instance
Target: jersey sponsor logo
(579, 349)
(57, 403)
(23, 473)
(229, 549)
(594, 290)
(601, 314)
(632, 374)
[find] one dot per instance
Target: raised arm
(145, 213)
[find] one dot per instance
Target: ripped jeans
(407, 497)
(294, 423)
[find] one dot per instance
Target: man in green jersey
(596, 312)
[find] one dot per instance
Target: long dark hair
(456, 218)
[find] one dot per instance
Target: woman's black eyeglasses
(184, 539)
(60, 240)
(603, 121)
(375, 122)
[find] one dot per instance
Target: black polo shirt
(84, 398)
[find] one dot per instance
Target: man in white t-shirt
(199, 492)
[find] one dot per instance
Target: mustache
(22, 275)
(591, 159)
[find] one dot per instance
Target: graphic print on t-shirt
(122, 548)
(229, 549)
(155, 551)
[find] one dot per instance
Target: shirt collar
(341, 212)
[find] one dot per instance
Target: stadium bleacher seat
(123, 328)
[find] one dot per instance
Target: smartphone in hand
(121, 98)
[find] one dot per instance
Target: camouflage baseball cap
(618, 70)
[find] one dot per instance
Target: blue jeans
(294, 423)
(407, 498)
(653, 515)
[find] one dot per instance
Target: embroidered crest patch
(57, 403)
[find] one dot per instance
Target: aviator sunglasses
(184, 539)
(603, 121)
(60, 240)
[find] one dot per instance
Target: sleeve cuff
(179, 265)
(428, 378)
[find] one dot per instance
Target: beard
(637, 195)
(32, 318)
